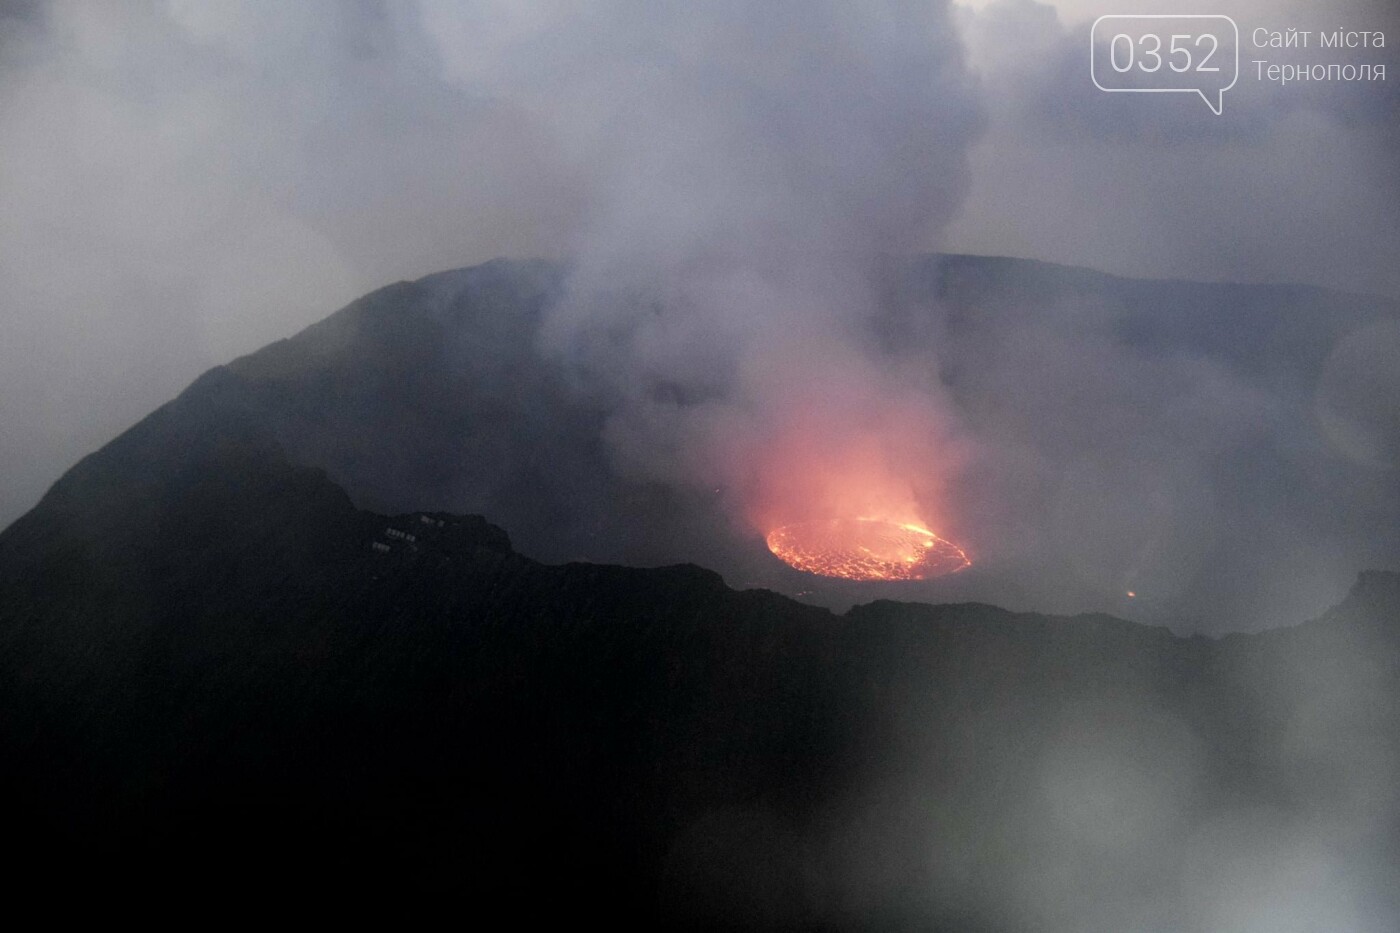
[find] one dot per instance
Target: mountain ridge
(219, 668)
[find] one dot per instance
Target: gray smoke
(753, 163)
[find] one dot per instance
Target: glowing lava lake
(866, 549)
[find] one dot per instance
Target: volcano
(265, 645)
(866, 549)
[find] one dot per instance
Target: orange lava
(866, 549)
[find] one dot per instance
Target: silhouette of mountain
(222, 676)
(1190, 409)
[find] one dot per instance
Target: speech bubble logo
(1166, 54)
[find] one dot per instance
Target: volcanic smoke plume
(752, 166)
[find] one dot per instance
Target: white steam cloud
(751, 164)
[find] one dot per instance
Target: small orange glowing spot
(1131, 594)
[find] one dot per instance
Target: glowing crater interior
(866, 549)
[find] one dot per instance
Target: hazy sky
(1295, 183)
(183, 182)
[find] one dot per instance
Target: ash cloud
(183, 182)
(754, 162)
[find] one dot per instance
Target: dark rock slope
(221, 679)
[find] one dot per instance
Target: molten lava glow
(866, 549)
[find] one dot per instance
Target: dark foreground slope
(217, 683)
